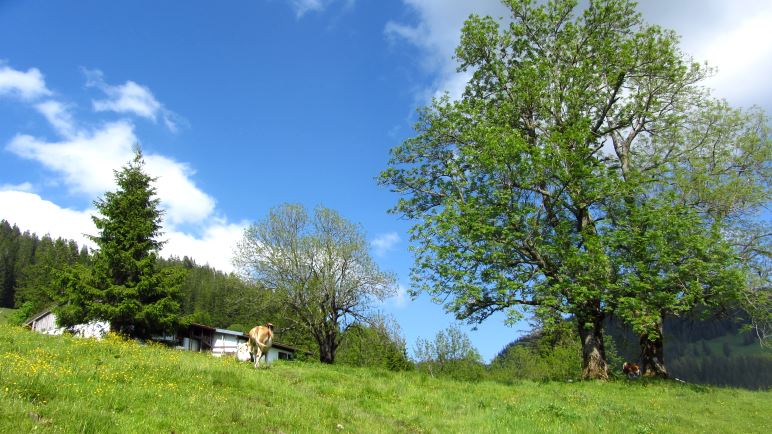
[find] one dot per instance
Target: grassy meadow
(64, 384)
(5, 313)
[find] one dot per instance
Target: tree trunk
(593, 352)
(653, 353)
(327, 348)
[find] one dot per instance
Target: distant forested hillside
(29, 265)
(717, 350)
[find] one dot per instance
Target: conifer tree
(124, 285)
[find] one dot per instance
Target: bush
(378, 345)
(540, 356)
(450, 355)
(21, 314)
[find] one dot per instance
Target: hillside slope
(5, 313)
(65, 384)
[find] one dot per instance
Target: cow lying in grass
(632, 370)
(260, 340)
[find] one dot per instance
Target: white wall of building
(226, 343)
(46, 324)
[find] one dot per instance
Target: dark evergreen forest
(30, 267)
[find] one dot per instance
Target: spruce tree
(125, 285)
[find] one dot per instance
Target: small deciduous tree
(318, 267)
(451, 354)
(378, 343)
(124, 284)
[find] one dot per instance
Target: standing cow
(260, 340)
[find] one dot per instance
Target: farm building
(45, 322)
(200, 337)
(197, 337)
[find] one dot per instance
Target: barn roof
(37, 316)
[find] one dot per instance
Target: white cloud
(402, 297)
(87, 160)
(131, 98)
(303, 7)
(24, 187)
(25, 85)
(184, 202)
(58, 115)
(742, 53)
(31, 212)
(84, 160)
(384, 242)
(736, 38)
(437, 33)
(214, 247)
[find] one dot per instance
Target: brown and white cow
(632, 370)
(260, 340)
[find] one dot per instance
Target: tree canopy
(579, 144)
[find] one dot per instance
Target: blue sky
(241, 106)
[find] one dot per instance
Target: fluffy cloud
(130, 98)
(83, 159)
(86, 163)
(384, 242)
(304, 6)
(58, 115)
(25, 85)
(735, 39)
(31, 212)
(183, 201)
(214, 247)
(402, 297)
(25, 187)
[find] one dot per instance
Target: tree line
(28, 266)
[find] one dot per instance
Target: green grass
(5, 313)
(738, 347)
(63, 384)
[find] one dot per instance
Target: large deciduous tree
(124, 284)
(702, 179)
(318, 267)
(542, 185)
